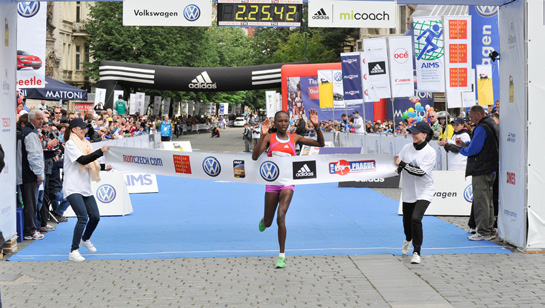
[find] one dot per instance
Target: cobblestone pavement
(464, 280)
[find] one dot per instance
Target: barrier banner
(241, 168)
(485, 90)
(429, 52)
(401, 66)
(325, 88)
(376, 58)
(352, 83)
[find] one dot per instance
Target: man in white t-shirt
(358, 123)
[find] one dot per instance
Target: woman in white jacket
(416, 161)
(80, 168)
(457, 161)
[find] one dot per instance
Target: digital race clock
(260, 13)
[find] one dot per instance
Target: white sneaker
(416, 258)
(406, 247)
(87, 244)
(75, 256)
(479, 237)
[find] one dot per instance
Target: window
(78, 11)
(78, 58)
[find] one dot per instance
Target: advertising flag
(485, 90)
(429, 52)
(365, 80)
(352, 83)
(457, 34)
(338, 97)
(401, 66)
(100, 96)
(132, 103)
(376, 57)
(325, 88)
(31, 27)
(270, 101)
(157, 105)
(166, 108)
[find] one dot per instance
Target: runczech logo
(428, 40)
(338, 76)
(269, 171)
(106, 193)
(486, 10)
(468, 193)
(211, 166)
(192, 12)
(28, 9)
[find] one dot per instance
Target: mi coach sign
(351, 14)
(194, 13)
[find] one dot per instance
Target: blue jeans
(59, 204)
(83, 207)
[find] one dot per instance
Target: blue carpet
(201, 218)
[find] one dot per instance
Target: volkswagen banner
(196, 13)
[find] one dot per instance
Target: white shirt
(75, 181)
(457, 161)
(361, 129)
(417, 187)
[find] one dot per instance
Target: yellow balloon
(411, 109)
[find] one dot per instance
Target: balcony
(79, 29)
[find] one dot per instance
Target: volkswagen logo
(211, 166)
(106, 193)
(269, 171)
(486, 10)
(468, 193)
(28, 9)
(338, 76)
(192, 12)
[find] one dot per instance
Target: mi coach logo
(182, 164)
(211, 166)
(192, 12)
(269, 171)
(238, 168)
(106, 193)
(28, 9)
(202, 81)
(321, 14)
(304, 170)
(377, 68)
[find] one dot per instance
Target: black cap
(120, 96)
(77, 122)
(355, 112)
(420, 127)
(459, 121)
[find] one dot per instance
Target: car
(25, 59)
(239, 122)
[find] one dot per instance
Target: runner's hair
(280, 112)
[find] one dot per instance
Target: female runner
(279, 196)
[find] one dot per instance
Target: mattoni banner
(429, 52)
(31, 27)
(401, 66)
(352, 83)
(196, 13)
(241, 168)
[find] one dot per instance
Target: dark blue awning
(55, 90)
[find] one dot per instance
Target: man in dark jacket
(482, 165)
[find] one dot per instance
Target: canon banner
(31, 18)
(376, 58)
(196, 13)
(429, 52)
(241, 168)
(401, 66)
(8, 22)
(352, 79)
(351, 14)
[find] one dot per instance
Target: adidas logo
(377, 70)
(202, 81)
(286, 147)
(304, 171)
(321, 14)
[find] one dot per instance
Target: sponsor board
(352, 14)
(197, 13)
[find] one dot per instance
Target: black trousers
(29, 192)
(412, 222)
